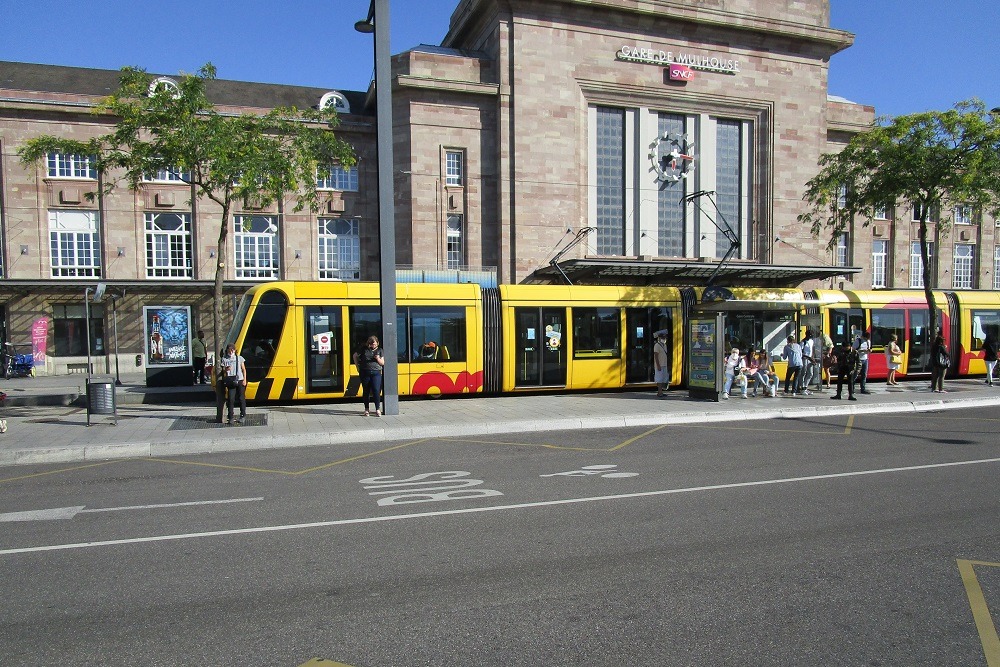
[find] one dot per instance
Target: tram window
(264, 334)
(842, 322)
(885, 323)
(438, 334)
(984, 322)
(596, 333)
(367, 321)
(776, 330)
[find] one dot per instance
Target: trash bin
(101, 398)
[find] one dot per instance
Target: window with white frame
(842, 255)
(62, 165)
(932, 213)
(171, 175)
(996, 267)
(256, 245)
(456, 250)
(880, 261)
(842, 197)
(454, 168)
(74, 244)
(964, 267)
(963, 215)
(168, 245)
(337, 177)
(882, 212)
(917, 263)
(339, 249)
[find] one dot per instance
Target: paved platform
(47, 417)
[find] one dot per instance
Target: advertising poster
(39, 340)
(701, 343)
(168, 335)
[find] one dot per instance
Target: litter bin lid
(100, 379)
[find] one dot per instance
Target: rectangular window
(670, 214)
(71, 166)
(984, 322)
(882, 212)
(964, 267)
(610, 181)
(454, 168)
(932, 214)
(69, 335)
(339, 249)
(256, 240)
(996, 267)
(886, 322)
(917, 263)
(843, 250)
(880, 260)
(728, 180)
(74, 244)
(168, 245)
(438, 334)
(963, 215)
(596, 333)
(842, 197)
(172, 175)
(456, 250)
(337, 177)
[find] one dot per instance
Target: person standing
(792, 353)
(941, 361)
(864, 346)
(199, 355)
(893, 359)
(847, 364)
(235, 374)
(661, 364)
(990, 350)
(808, 362)
(370, 361)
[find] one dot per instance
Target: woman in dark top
(370, 361)
(940, 360)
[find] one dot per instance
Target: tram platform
(47, 417)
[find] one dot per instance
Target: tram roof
(687, 273)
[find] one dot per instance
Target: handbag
(896, 359)
(231, 382)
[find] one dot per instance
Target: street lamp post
(378, 22)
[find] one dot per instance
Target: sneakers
(378, 414)
(725, 396)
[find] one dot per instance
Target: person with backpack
(848, 366)
(941, 360)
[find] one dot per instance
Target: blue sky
(909, 55)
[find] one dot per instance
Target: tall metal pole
(386, 206)
(86, 311)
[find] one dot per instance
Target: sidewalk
(47, 417)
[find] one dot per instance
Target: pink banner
(39, 339)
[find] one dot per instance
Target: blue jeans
(371, 387)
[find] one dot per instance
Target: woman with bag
(235, 381)
(941, 360)
(370, 360)
(893, 359)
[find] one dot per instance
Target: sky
(908, 55)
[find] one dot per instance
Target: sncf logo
(680, 72)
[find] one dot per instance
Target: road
(868, 540)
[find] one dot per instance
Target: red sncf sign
(681, 72)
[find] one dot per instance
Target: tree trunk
(925, 258)
(220, 274)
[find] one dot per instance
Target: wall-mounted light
(24, 250)
(121, 251)
(211, 252)
(298, 254)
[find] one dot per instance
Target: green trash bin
(101, 399)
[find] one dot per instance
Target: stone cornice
(429, 83)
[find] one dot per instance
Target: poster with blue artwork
(168, 335)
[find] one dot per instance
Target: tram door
(640, 325)
(540, 347)
(324, 362)
(919, 334)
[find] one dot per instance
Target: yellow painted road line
(638, 437)
(523, 444)
(980, 610)
(55, 472)
(320, 662)
(360, 456)
(850, 425)
(754, 428)
(218, 465)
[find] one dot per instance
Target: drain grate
(193, 423)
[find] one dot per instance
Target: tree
(226, 158)
(924, 159)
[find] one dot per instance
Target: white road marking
(494, 508)
(69, 512)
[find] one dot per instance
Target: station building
(600, 141)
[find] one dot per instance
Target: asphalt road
(839, 541)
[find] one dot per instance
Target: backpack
(943, 360)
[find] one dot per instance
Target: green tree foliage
(927, 159)
(227, 158)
